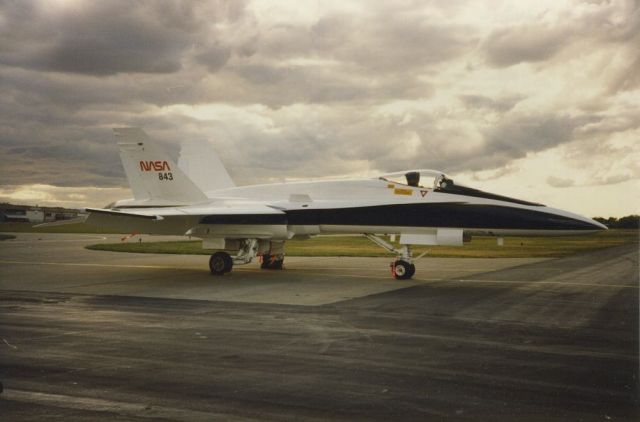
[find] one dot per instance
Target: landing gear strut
(402, 268)
(221, 262)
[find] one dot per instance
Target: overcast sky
(535, 99)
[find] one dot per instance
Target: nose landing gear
(402, 268)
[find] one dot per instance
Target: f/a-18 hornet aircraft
(198, 198)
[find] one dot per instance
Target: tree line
(626, 222)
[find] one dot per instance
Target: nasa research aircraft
(198, 198)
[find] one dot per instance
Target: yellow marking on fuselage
(399, 191)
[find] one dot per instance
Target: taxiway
(97, 335)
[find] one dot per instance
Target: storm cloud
(105, 38)
(320, 89)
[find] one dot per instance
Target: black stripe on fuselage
(462, 215)
(456, 214)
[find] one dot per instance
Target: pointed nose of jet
(599, 226)
(576, 222)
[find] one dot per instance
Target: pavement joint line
(558, 283)
(83, 264)
(13, 242)
(138, 410)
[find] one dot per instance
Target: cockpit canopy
(420, 178)
(440, 182)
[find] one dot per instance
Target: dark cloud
(501, 105)
(105, 38)
(559, 182)
(524, 43)
(394, 42)
(61, 156)
(387, 40)
(281, 85)
(628, 78)
(584, 26)
(615, 179)
(214, 57)
(517, 135)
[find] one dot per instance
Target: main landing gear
(271, 262)
(402, 268)
(271, 256)
(221, 263)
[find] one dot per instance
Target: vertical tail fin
(153, 176)
(201, 164)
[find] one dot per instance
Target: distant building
(34, 215)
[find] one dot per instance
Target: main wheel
(271, 262)
(402, 270)
(220, 263)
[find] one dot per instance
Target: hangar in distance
(423, 207)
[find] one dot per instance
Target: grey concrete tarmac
(88, 335)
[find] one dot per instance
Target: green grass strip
(479, 247)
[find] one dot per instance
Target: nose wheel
(402, 270)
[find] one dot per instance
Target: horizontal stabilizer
(236, 222)
(124, 214)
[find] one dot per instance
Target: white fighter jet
(423, 207)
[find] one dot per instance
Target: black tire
(220, 263)
(402, 270)
(268, 263)
(412, 270)
(228, 264)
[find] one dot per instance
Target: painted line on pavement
(333, 275)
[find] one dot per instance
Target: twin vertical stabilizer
(153, 177)
(201, 164)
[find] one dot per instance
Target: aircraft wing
(230, 221)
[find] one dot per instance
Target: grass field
(67, 228)
(479, 247)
